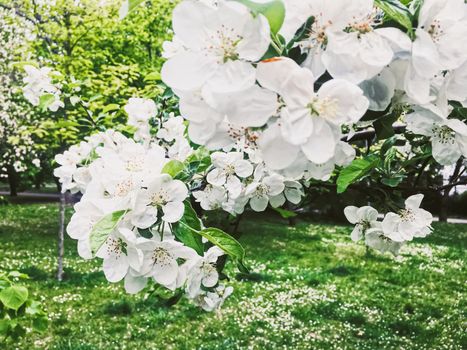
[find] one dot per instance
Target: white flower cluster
(272, 124)
(394, 230)
(39, 82)
(16, 144)
(119, 176)
(171, 132)
(233, 182)
(230, 95)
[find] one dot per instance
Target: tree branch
(371, 133)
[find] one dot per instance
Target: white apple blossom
(310, 119)
(363, 218)
(264, 188)
(229, 168)
(162, 193)
(211, 198)
(376, 239)
(38, 83)
(140, 111)
(211, 301)
(172, 129)
(448, 136)
(410, 222)
(202, 272)
(293, 193)
(263, 129)
(119, 253)
(220, 43)
(160, 260)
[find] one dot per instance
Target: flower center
(160, 198)
(123, 188)
(261, 190)
(316, 36)
(223, 44)
(407, 215)
(323, 107)
(444, 134)
(364, 224)
(116, 246)
(229, 169)
(162, 257)
(208, 268)
(135, 165)
(366, 25)
(435, 31)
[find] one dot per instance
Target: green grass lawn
(312, 289)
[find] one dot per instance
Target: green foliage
(103, 228)
(173, 168)
(312, 288)
(227, 243)
(186, 230)
(286, 214)
(396, 11)
(109, 59)
(13, 297)
(18, 311)
(356, 171)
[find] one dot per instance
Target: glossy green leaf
(173, 168)
(358, 169)
(226, 242)
(14, 296)
(40, 324)
(396, 11)
(110, 108)
(186, 230)
(103, 228)
(384, 126)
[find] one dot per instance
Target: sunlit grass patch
(310, 288)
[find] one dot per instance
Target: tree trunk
(61, 237)
(443, 210)
(293, 219)
(13, 181)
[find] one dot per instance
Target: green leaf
(17, 274)
(45, 101)
(226, 242)
(358, 169)
(128, 6)
(396, 11)
(186, 230)
(4, 326)
(173, 168)
(33, 308)
(103, 228)
(153, 76)
(302, 32)
(392, 182)
(40, 324)
(286, 214)
(14, 297)
(273, 10)
(111, 107)
(383, 126)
